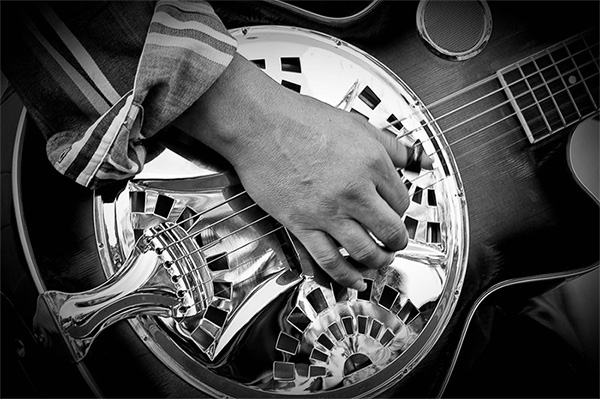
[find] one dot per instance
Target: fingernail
(360, 285)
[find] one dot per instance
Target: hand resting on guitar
(325, 174)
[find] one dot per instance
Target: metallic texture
(413, 157)
(235, 309)
(454, 29)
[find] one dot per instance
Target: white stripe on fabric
(99, 103)
(195, 7)
(77, 146)
(65, 161)
(172, 22)
(107, 141)
(81, 55)
(193, 45)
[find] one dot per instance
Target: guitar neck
(554, 88)
(534, 98)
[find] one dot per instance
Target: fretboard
(555, 88)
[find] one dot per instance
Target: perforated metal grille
(456, 26)
(455, 30)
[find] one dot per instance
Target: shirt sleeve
(185, 48)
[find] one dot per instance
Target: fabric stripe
(107, 141)
(81, 55)
(202, 49)
(67, 158)
(171, 22)
(194, 7)
(81, 146)
(99, 103)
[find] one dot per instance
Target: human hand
(325, 174)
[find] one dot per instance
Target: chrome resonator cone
(191, 258)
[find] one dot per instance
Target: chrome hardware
(233, 300)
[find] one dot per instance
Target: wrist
(240, 111)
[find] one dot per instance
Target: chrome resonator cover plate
(264, 326)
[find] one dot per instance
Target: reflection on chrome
(193, 260)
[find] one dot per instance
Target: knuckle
(368, 253)
(354, 193)
(329, 261)
(394, 236)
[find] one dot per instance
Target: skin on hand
(325, 174)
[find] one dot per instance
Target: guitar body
(531, 224)
(583, 157)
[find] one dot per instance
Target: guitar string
(508, 116)
(223, 255)
(280, 227)
(219, 257)
(420, 176)
(228, 217)
(553, 65)
(497, 106)
(479, 84)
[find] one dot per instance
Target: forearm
(238, 112)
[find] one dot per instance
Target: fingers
(400, 154)
(386, 223)
(360, 245)
(326, 254)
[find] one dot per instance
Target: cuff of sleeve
(187, 48)
(108, 150)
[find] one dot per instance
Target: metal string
(479, 84)
(351, 95)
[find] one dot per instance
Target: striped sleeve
(186, 38)
(186, 48)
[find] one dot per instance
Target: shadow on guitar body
(546, 346)
(540, 338)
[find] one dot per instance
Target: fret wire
(535, 100)
(487, 80)
(412, 181)
(471, 87)
(564, 85)
(562, 79)
(581, 77)
(493, 108)
(464, 122)
(560, 113)
(589, 49)
(503, 119)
